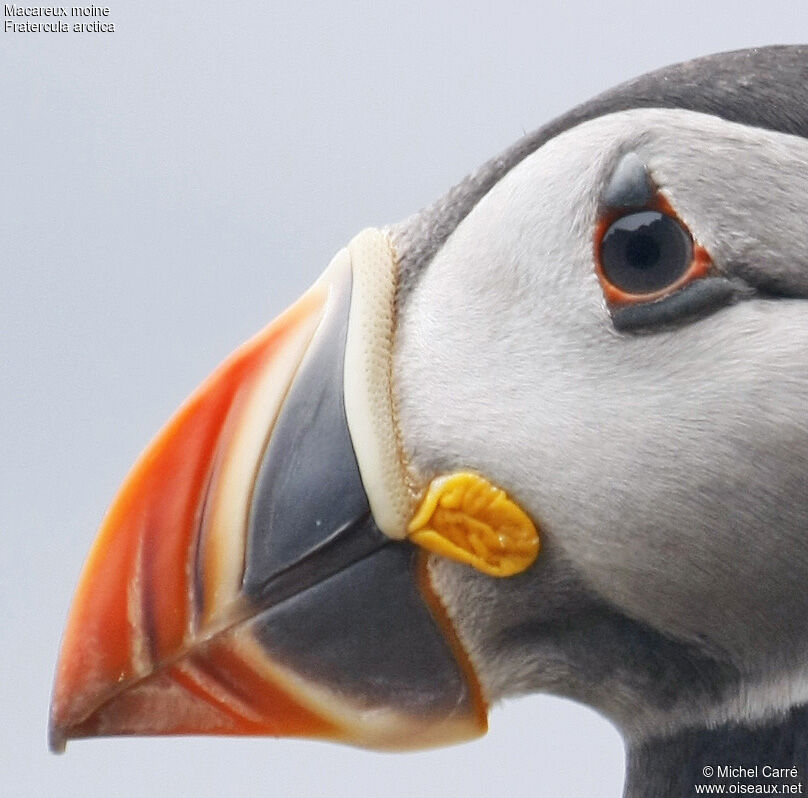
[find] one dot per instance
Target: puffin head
(598, 341)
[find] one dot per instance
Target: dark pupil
(642, 251)
(645, 252)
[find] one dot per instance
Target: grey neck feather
(673, 766)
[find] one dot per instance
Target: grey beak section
(338, 602)
(310, 515)
(368, 634)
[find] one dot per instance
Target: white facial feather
(668, 469)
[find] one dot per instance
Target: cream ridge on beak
(263, 568)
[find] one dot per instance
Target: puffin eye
(653, 274)
(644, 253)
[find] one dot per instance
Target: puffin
(548, 434)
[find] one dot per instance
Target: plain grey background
(169, 188)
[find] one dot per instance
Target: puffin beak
(252, 576)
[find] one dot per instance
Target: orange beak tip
(57, 742)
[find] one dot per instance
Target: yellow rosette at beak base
(465, 518)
